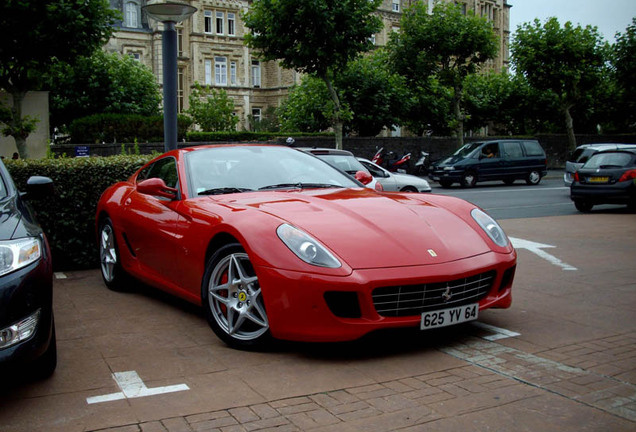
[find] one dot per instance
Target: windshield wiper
(300, 186)
(223, 190)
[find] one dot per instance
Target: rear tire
(534, 177)
(469, 179)
(115, 277)
(583, 206)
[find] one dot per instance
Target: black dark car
(27, 330)
(608, 177)
(506, 160)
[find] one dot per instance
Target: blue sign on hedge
(82, 151)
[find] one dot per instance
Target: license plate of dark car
(449, 316)
(598, 179)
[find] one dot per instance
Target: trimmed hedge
(248, 136)
(68, 217)
(123, 128)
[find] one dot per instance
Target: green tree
(308, 108)
(317, 37)
(568, 62)
(35, 33)
(212, 110)
(624, 61)
(102, 83)
(445, 44)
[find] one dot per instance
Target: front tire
(114, 275)
(233, 301)
(445, 183)
(469, 179)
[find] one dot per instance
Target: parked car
(276, 244)
(344, 161)
(27, 329)
(608, 177)
(583, 153)
(396, 181)
(506, 160)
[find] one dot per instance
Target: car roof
(631, 150)
(603, 146)
(324, 151)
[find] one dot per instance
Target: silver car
(395, 182)
(583, 153)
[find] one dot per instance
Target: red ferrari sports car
(275, 243)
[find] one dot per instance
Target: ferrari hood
(370, 230)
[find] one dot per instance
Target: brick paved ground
(598, 374)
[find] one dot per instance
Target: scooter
(421, 166)
(391, 162)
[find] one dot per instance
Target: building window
(219, 23)
(180, 86)
(135, 55)
(131, 15)
(396, 6)
(231, 24)
(207, 22)
(233, 73)
(208, 72)
(220, 71)
(487, 11)
(372, 39)
(179, 42)
(256, 73)
(256, 115)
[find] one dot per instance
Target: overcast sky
(610, 16)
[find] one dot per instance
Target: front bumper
(22, 294)
(438, 175)
(300, 306)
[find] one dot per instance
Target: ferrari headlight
(15, 254)
(306, 247)
(491, 227)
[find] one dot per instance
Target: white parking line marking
(537, 249)
(59, 275)
(499, 333)
(133, 387)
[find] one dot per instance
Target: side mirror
(39, 187)
(156, 187)
(364, 177)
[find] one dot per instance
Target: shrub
(241, 136)
(68, 217)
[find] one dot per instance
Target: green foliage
(568, 62)
(123, 128)
(68, 218)
(242, 136)
(268, 122)
(308, 108)
(624, 55)
(445, 45)
(212, 109)
(102, 83)
(42, 32)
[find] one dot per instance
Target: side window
(490, 151)
(165, 169)
(512, 150)
(3, 189)
(533, 148)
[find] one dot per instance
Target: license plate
(598, 179)
(450, 316)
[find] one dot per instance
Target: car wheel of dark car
(583, 206)
(445, 183)
(469, 179)
(534, 177)
(46, 364)
(232, 298)
(113, 274)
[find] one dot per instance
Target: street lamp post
(169, 13)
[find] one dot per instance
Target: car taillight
(628, 175)
(378, 186)
(576, 177)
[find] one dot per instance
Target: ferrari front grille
(408, 300)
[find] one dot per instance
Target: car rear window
(533, 148)
(610, 160)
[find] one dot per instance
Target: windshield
(248, 168)
(466, 150)
(609, 160)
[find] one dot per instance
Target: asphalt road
(562, 358)
(549, 198)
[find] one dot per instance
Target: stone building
(211, 50)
